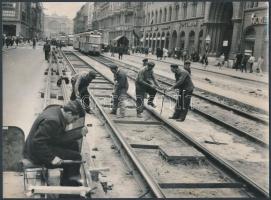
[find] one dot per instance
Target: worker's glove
(84, 131)
(57, 161)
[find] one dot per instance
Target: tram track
(228, 117)
(132, 141)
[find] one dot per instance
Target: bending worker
(145, 83)
(185, 85)
(49, 144)
(80, 84)
(120, 90)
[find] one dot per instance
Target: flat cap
(187, 62)
(151, 64)
(145, 60)
(91, 74)
(174, 65)
(113, 66)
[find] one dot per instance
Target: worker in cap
(48, 143)
(186, 66)
(80, 84)
(185, 88)
(120, 91)
(145, 62)
(145, 83)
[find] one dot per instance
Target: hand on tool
(57, 161)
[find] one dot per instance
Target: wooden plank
(199, 185)
(144, 146)
(58, 190)
(110, 106)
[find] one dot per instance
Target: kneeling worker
(49, 144)
(120, 90)
(145, 83)
(185, 85)
(80, 84)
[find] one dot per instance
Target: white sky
(68, 9)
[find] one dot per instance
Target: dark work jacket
(47, 47)
(84, 82)
(47, 131)
(145, 78)
(122, 84)
(183, 81)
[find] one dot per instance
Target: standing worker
(120, 90)
(34, 43)
(80, 84)
(185, 85)
(47, 49)
(49, 144)
(186, 66)
(145, 83)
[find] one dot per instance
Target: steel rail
(217, 160)
(235, 110)
(214, 119)
(154, 187)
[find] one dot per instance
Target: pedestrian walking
(187, 64)
(244, 62)
(165, 53)
(120, 90)
(120, 52)
(34, 43)
(80, 84)
(7, 41)
(47, 49)
(145, 83)
(17, 41)
(221, 61)
(238, 61)
(112, 50)
(204, 60)
(259, 64)
(12, 41)
(49, 144)
(251, 61)
(185, 86)
(146, 51)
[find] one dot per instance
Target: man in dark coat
(121, 50)
(145, 83)
(186, 87)
(80, 84)
(186, 66)
(120, 90)
(47, 49)
(238, 60)
(49, 144)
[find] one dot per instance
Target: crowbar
(163, 98)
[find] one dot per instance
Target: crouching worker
(185, 86)
(49, 144)
(80, 84)
(120, 90)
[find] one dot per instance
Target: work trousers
(119, 101)
(67, 152)
(243, 66)
(84, 95)
(47, 55)
(140, 94)
(182, 104)
(250, 67)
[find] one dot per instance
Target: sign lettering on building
(188, 24)
(258, 20)
(165, 28)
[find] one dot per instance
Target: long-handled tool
(163, 98)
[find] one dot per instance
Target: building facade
(55, 25)
(83, 19)
(186, 25)
(116, 19)
(24, 19)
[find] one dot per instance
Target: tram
(88, 42)
(70, 39)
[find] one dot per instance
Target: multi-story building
(115, 19)
(22, 19)
(55, 25)
(83, 19)
(230, 26)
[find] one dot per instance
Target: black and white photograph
(135, 99)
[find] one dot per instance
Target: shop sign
(258, 20)
(188, 24)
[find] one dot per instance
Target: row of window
(171, 14)
(8, 13)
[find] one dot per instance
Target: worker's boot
(152, 104)
(113, 112)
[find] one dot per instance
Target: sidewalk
(236, 91)
(211, 68)
(23, 79)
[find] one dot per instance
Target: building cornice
(175, 21)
